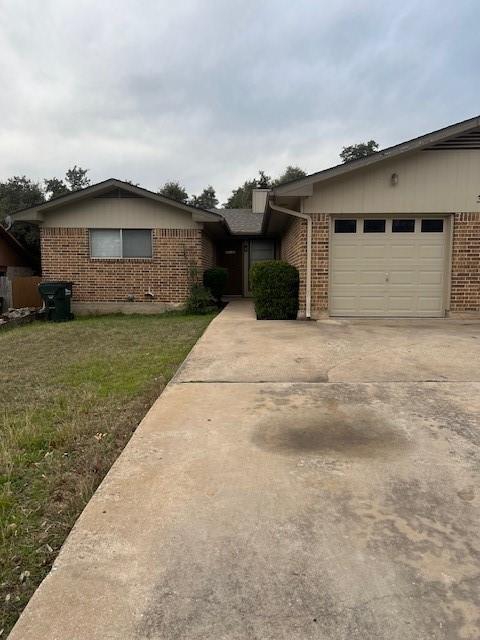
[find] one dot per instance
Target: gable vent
(469, 140)
(118, 193)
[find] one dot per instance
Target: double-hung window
(120, 243)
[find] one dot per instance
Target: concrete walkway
(296, 480)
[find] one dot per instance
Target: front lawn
(70, 397)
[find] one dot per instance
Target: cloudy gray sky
(209, 91)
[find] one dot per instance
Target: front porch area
(237, 255)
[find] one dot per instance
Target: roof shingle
(242, 221)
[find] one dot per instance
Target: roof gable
(110, 188)
(465, 135)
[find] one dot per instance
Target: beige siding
(111, 213)
(428, 181)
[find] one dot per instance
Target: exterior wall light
(394, 179)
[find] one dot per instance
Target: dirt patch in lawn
(71, 396)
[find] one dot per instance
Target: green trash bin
(57, 297)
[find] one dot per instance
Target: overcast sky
(209, 91)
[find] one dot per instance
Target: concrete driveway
(297, 480)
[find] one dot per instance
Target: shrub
(215, 279)
(200, 300)
(274, 287)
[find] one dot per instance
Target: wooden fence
(5, 293)
(25, 292)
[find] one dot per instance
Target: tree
(206, 200)
(17, 193)
(360, 150)
(241, 197)
(77, 178)
(55, 187)
(264, 181)
(174, 191)
(290, 173)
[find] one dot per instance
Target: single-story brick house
(396, 233)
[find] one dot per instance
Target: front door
(230, 256)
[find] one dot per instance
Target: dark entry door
(230, 256)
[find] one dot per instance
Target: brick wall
(66, 256)
(293, 250)
(465, 291)
(320, 235)
(294, 243)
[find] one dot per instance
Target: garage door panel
(430, 304)
(373, 251)
(345, 304)
(346, 277)
(376, 277)
(388, 274)
(400, 304)
(430, 277)
(345, 251)
(432, 251)
(372, 303)
(402, 252)
(406, 277)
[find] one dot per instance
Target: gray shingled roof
(242, 221)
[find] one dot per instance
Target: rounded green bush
(215, 279)
(274, 287)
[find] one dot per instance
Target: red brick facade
(293, 250)
(66, 256)
(465, 290)
(320, 238)
(294, 243)
(465, 277)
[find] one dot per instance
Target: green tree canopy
(360, 150)
(290, 173)
(175, 191)
(54, 187)
(241, 197)
(206, 200)
(17, 193)
(75, 178)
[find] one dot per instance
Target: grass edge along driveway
(71, 396)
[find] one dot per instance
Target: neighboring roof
(14, 244)
(111, 183)
(435, 138)
(242, 221)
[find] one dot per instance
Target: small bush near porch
(275, 290)
(71, 396)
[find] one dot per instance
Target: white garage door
(388, 266)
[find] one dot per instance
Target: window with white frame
(120, 243)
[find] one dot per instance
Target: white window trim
(121, 256)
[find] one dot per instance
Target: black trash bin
(57, 297)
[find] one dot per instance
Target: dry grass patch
(71, 396)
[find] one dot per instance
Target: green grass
(71, 396)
